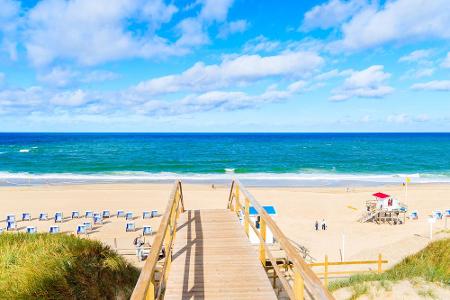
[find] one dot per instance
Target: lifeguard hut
(384, 208)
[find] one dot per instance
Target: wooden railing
(326, 264)
(152, 280)
(304, 279)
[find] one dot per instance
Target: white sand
(298, 208)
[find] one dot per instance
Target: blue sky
(224, 65)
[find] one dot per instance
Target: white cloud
(368, 83)
(398, 118)
(2, 78)
(232, 27)
(261, 44)
(215, 10)
(62, 77)
(191, 33)
(416, 56)
(9, 21)
(92, 32)
(235, 71)
(333, 74)
(435, 85)
(70, 98)
(446, 61)
(396, 21)
(331, 14)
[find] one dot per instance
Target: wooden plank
(213, 259)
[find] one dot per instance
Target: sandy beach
(297, 210)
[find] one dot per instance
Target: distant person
(138, 243)
(213, 186)
(317, 225)
(323, 224)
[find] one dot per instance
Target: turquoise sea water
(258, 158)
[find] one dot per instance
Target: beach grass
(44, 266)
(430, 264)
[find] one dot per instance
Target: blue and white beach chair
(81, 229)
(53, 229)
(437, 214)
(75, 214)
(120, 214)
(10, 218)
(106, 214)
(89, 214)
(130, 227)
(88, 225)
(31, 229)
(11, 225)
(146, 215)
(43, 217)
(59, 217)
(447, 213)
(26, 216)
(154, 213)
(414, 215)
(147, 230)
(98, 219)
(129, 216)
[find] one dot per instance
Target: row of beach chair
(58, 217)
(437, 214)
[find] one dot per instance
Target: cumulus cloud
(92, 32)
(9, 21)
(331, 14)
(368, 83)
(446, 61)
(215, 10)
(435, 85)
(70, 98)
(395, 21)
(232, 27)
(235, 71)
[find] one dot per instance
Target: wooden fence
(304, 279)
(327, 264)
(154, 274)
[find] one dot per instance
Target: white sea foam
(258, 179)
(24, 150)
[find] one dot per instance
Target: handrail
(304, 278)
(149, 287)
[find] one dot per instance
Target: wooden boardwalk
(213, 259)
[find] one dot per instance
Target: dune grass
(44, 266)
(431, 264)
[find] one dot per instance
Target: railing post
(262, 242)
(247, 216)
(325, 276)
(151, 289)
(237, 204)
(379, 263)
(299, 285)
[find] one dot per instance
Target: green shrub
(44, 266)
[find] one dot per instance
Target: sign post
(431, 220)
(407, 181)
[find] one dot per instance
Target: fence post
(299, 285)
(236, 200)
(379, 263)
(262, 242)
(151, 289)
(325, 278)
(247, 215)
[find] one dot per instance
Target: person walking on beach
(323, 224)
(317, 225)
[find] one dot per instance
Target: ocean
(273, 159)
